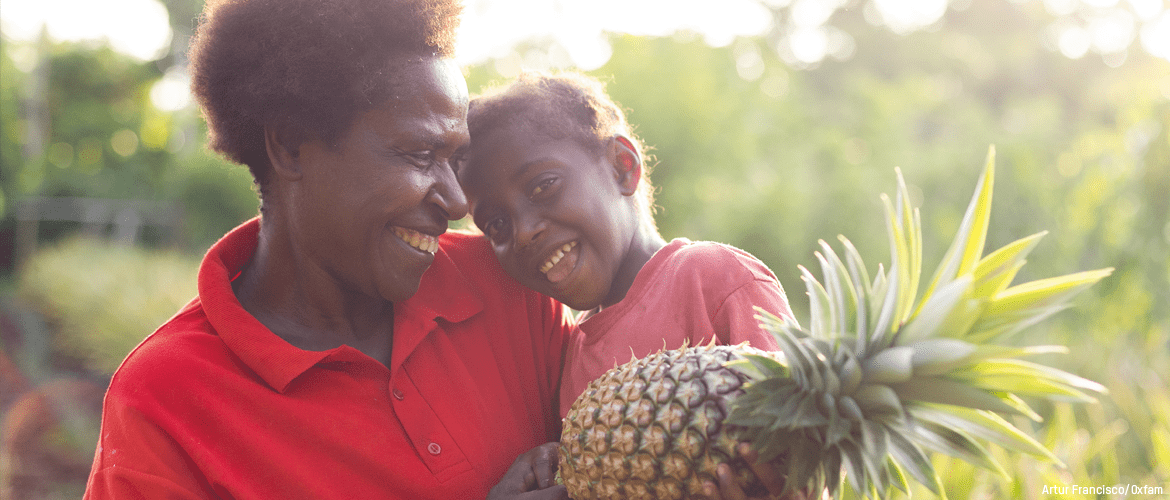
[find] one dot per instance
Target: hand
(531, 476)
(768, 473)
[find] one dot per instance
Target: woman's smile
(417, 240)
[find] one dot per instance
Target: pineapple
(880, 378)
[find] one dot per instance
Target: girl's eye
(496, 230)
(543, 186)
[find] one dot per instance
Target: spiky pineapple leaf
(1024, 305)
(953, 442)
(996, 271)
(984, 425)
(910, 457)
(967, 247)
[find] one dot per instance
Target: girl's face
(558, 215)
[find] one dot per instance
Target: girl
(556, 181)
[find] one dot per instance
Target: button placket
(433, 442)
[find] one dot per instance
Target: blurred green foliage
(103, 298)
(770, 163)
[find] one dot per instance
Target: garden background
(775, 129)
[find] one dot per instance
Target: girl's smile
(558, 267)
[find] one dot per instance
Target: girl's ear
(627, 164)
(283, 151)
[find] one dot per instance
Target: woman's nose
(446, 193)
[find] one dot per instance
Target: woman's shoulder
(177, 353)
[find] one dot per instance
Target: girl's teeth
(557, 257)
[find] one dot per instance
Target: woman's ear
(283, 151)
(627, 164)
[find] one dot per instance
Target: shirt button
(434, 448)
(398, 394)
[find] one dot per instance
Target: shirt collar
(443, 293)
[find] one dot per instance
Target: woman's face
(554, 212)
(368, 210)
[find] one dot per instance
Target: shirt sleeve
(137, 459)
(735, 320)
(123, 483)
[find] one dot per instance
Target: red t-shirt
(687, 292)
(214, 405)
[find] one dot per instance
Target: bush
(102, 298)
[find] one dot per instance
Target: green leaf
(948, 312)
(1020, 405)
(758, 367)
(934, 357)
(890, 365)
(967, 247)
(1025, 377)
(884, 326)
(996, 271)
(840, 289)
(984, 425)
(949, 392)
(862, 287)
(1023, 305)
(877, 399)
(956, 443)
(910, 457)
(854, 467)
(820, 320)
(900, 250)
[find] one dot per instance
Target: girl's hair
(567, 105)
(309, 65)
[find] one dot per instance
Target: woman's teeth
(556, 257)
(424, 242)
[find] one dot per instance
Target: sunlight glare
(1112, 32)
(809, 45)
(813, 13)
(139, 28)
(492, 29)
(1073, 41)
(1060, 7)
(172, 92)
(904, 16)
(1146, 9)
(1156, 36)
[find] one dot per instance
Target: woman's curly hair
(565, 105)
(311, 65)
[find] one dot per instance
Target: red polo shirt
(214, 405)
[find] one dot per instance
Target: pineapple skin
(653, 428)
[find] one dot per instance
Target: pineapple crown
(881, 376)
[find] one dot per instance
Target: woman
(343, 344)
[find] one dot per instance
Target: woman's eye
(422, 159)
